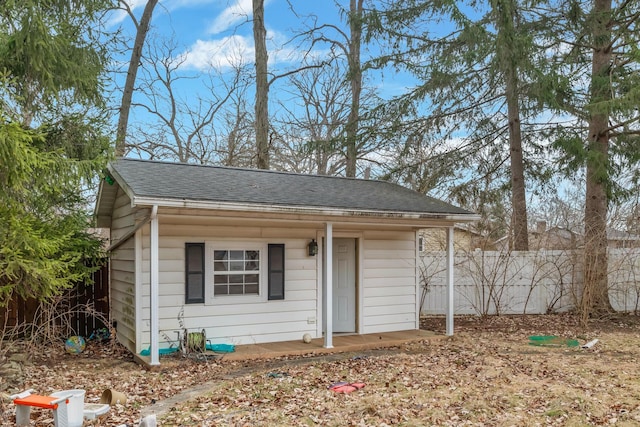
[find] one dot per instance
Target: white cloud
(237, 50)
(238, 12)
(223, 53)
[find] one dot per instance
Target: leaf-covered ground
(486, 375)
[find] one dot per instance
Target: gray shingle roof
(188, 182)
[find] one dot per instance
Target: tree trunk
(142, 29)
(518, 193)
(508, 63)
(262, 86)
(595, 297)
(355, 77)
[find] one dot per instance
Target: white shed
(255, 256)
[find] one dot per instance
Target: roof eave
(100, 211)
(307, 210)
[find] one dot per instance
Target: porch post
(328, 284)
(450, 301)
(155, 352)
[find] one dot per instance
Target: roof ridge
(162, 162)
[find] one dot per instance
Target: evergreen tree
(51, 145)
(597, 48)
(477, 71)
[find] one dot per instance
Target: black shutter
(276, 271)
(194, 268)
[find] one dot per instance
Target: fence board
(21, 312)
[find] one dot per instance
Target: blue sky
(211, 30)
(215, 33)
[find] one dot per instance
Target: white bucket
(75, 409)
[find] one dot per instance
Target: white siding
(123, 275)
(232, 320)
(389, 281)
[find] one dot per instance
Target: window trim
(202, 272)
(271, 295)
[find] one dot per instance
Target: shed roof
(153, 182)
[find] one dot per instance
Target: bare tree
(262, 86)
(346, 45)
(236, 145)
(315, 120)
(142, 28)
(183, 129)
(355, 80)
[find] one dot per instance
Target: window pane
(236, 278)
(221, 278)
(236, 265)
(220, 255)
(251, 266)
(220, 266)
(251, 289)
(251, 278)
(220, 290)
(236, 289)
(236, 255)
(252, 255)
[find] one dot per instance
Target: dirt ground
(487, 374)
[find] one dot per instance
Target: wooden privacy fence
(73, 303)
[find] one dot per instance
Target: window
(276, 271)
(236, 272)
(194, 267)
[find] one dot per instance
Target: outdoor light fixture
(313, 248)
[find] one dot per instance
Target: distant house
(559, 238)
(553, 238)
(254, 256)
(465, 239)
(622, 239)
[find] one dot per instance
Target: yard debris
(345, 387)
(412, 384)
(101, 334)
(148, 421)
(552, 341)
(277, 374)
(590, 343)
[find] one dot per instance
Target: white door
(344, 285)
